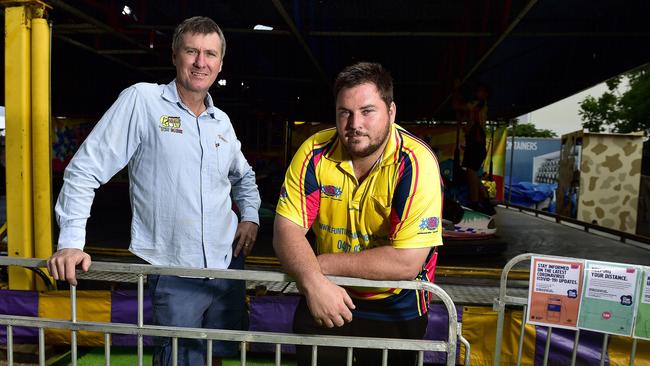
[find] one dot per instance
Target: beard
(357, 151)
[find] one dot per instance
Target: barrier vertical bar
(107, 349)
(10, 345)
(522, 333)
(208, 356)
(420, 358)
(174, 351)
(500, 308)
(467, 346)
(73, 334)
(243, 353)
(604, 350)
(547, 347)
(633, 352)
(576, 343)
(314, 355)
(349, 357)
(278, 354)
(41, 346)
(140, 318)
(384, 357)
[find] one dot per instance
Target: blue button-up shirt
(183, 170)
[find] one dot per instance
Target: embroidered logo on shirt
(170, 124)
(331, 191)
(429, 223)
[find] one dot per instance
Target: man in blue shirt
(185, 164)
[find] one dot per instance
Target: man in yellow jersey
(371, 193)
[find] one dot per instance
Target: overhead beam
(58, 4)
(106, 56)
(122, 52)
(294, 30)
(487, 54)
(86, 28)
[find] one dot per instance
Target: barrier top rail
(144, 269)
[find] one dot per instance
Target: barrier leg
(576, 343)
(243, 353)
(73, 335)
(174, 351)
(107, 349)
(522, 333)
(547, 348)
(141, 318)
(10, 345)
(633, 352)
(500, 318)
(41, 346)
(604, 351)
(208, 353)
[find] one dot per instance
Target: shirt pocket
(223, 157)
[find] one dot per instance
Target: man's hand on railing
(330, 304)
(62, 264)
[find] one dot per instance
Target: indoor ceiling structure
(529, 53)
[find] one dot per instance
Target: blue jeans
(197, 303)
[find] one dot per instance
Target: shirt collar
(170, 93)
(389, 157)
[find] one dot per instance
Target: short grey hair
(201, 25)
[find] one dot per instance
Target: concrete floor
(525, 233)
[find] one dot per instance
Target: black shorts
(303, 323)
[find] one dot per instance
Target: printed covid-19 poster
(554, 293)
(610, 297)
(642, 326)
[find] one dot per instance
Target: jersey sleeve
(299, 199)
(417, 201)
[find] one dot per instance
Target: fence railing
(504, 300)
(243, 337)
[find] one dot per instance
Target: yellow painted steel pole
(18, 142)
(41, 140)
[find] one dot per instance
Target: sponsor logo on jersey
(331, 191)
(429, 223)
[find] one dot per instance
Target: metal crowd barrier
(244, 337)
(503, 300)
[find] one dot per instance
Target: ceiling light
(261, 27)
(222, 82)
(126, 10)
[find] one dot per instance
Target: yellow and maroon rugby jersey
(399, 204)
